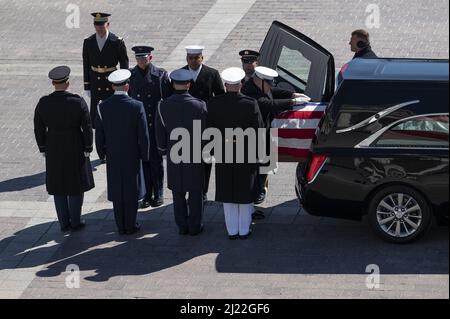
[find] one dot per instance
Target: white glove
(88, 93)
(301, 98)
(87, 154)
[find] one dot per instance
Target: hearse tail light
(317, 163)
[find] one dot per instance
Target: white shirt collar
(101, 41)
(102, 38)
(120, 93)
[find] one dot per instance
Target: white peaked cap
(194, 49)
(265, 73)
(119, 76)
(233, 75)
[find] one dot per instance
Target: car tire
(399, 214)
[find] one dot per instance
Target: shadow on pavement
(303, 247)
(27, 182)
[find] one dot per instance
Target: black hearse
(382, 147)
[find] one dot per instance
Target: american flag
(297, 128)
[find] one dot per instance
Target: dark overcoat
(63, 130)
(122, 136)
(235, 182)
(150, 87)
(180, 111)
(208, 84)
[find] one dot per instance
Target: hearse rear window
(426, 131)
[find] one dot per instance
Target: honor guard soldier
(122, 136)
(206, 83)
(236, 183)
(179, 111)
(150, 85)
(63, 131)
(271, 101)
(101, 53)
(249, 59)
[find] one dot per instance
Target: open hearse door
(304, 66)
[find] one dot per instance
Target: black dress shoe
(246, 236)
(135, 230)
(198, 232)
(80, 226)
(260, 199)
(258, 215)
(234, 237)
(145, 204)
(158, 202)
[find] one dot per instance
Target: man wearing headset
(360, 44)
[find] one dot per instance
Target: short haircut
(363, 34)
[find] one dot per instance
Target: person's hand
(301, 98)
(88, 93)
(43, 154)
(87, 154)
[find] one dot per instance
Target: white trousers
(238, 218)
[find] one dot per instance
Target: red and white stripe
(297, 128)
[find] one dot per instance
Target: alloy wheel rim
(399, 215)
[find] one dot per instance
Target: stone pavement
(292, 255)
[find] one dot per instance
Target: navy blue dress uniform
(179, 111)
(63, 131)
(98, 63)
(205, 84)
(150, 86)
(122, 135)
(270, 104)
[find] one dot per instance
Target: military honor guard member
(102, 52)
(236, 183)
(185, 178)
(271, 101)
(150, 85)
(63, 131)
(249, 59)
(206, 83)
(122, 136)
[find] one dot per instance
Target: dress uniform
(180, 111)
(63, 132)
(100, 58)
(249, 59)
(122, 135)
(205, 84)
(236, 183)
(150, 85)
(271, 102)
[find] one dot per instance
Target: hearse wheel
(399, 214)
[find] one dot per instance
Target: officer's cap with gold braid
(100, 18)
